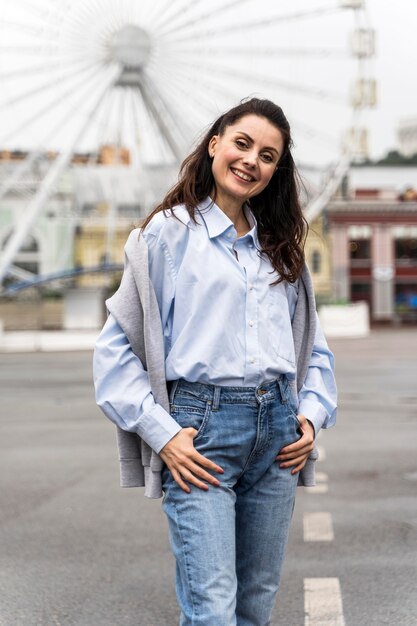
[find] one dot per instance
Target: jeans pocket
(190, 414)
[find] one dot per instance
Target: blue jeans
(229, 542)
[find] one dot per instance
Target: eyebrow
(249, 138)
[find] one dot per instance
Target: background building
(374, 243)
(318, 257)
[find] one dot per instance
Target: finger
(205, 462)
(293, 462)
(299, 467)
(198, 471)
(305, 441)
(177, 477)
(189, 477)
(305, 450)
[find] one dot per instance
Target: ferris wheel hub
(130, 46)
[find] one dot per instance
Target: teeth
(242, 175)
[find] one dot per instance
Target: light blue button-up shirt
(223, 322)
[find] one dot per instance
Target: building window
(316, 262)
(360, 249)
(406, 249)
(361, 291)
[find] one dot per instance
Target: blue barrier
(62, 275)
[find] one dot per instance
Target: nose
(250, 158)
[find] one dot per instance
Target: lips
(247, 178)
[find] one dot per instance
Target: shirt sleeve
(162, 273)
(123, 391)
(318, 395)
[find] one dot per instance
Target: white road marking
(321, 486)
(323, 602)
(322, 453)
(318, 527)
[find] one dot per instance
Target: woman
(216, 306)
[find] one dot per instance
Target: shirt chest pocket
(280, 339)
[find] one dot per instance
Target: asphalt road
(77, 550)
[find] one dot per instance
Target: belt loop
(282, 388)
(173, 389)
(216, 398)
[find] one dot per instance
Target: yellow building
(104, 225)
(318, 257)
(93, 246)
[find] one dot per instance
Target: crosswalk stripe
(318, 527)
(323, 602)
(322, 453)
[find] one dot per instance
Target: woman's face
(244, 158)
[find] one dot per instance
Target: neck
(232, 208)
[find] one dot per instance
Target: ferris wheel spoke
(103, 119)
(163, 17)
(265, 23)
(40, 69)
(44, 110)
(185, 122)
(109, 113)
(180, 124)
(220, 51)
(48, 86)
(214, 12)
(159, 110)
(29, 50)
(134, 115)
(36, 31)
(170, 85)
(224, 94)
(245, 77)
(170, 89)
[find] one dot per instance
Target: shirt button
(251, 288)
(252, 359)
(251, 323)
(229, 235)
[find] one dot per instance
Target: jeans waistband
(228, 394)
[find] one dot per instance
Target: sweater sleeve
(123, 390)
(318, 395)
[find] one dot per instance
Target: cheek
(222, 162)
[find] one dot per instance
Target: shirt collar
(217, 222)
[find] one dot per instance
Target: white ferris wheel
(150, 75)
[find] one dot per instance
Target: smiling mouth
(246, 177)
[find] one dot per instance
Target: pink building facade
(374, 254)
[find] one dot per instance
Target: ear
(212, 145)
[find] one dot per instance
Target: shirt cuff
(314, 412)
(157, 427)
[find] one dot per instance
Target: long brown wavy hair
(282, 228)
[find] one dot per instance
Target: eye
(241, 144)
(267, 157)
